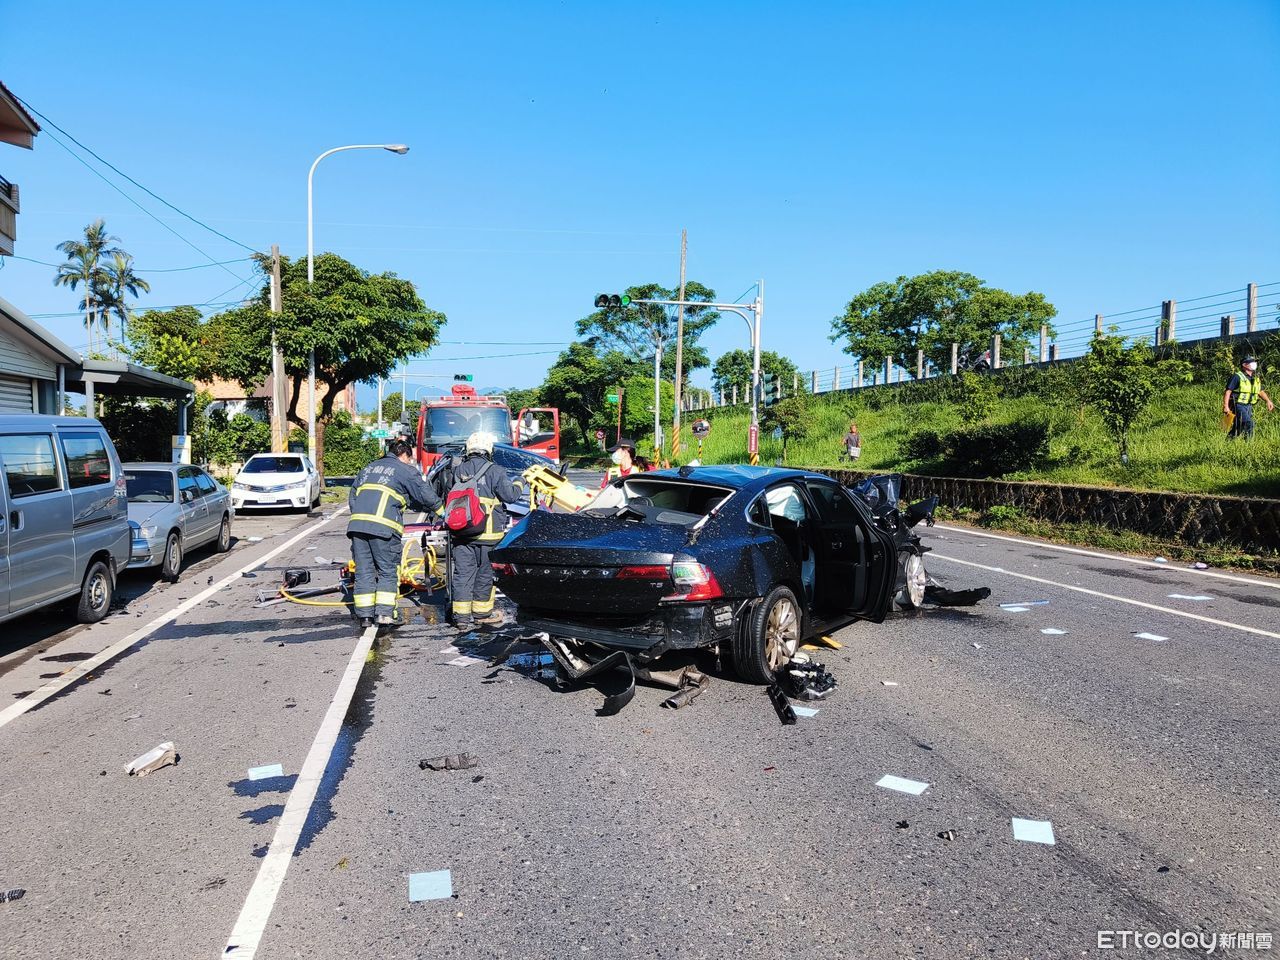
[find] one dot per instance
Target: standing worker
(378, 498)
(470, 573)
(1242, 393)
(625, 462)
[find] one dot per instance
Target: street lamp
(398, 148)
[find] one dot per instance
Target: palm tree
(82, 267)
(119, 283)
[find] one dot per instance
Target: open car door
(538, 429)
(857, 562)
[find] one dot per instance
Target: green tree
(1120, 382)
(391, 409)
(580, 380)
(347, 450)
(735, 367)
(931, 311)
(520, 397)
(794, 415)
(84, 269)
(361, 325)
(170, 342)
(637, 331)
(637, 410)
(978, 396)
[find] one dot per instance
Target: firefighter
(470, 575)
(378, 498)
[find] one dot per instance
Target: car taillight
(503, 569)
(643, 572)
(694, 582)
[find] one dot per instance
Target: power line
(198, 266)
(130, 179)
(117, 189)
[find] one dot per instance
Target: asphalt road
(713, 831)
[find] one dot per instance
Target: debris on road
(466, 660)
(253, 539)
(977, 646)
(1185, 596)
(902, 785)
(531, 660)
(8, 896)
(692, 684)
(248, 575)
(1053, 631)
(458, 761)
(942, 597)
(1013, 608)
(435, 885)
(266, 772)
(296, 577)
(807, 681)
(780, 703)
(831, 642)
(1151, 636)
(162, 756)
(1199, 565)
(903, 825)
(1033, 831)
(888, 683)
(1161, 560)
(947, 835)
(800, 711)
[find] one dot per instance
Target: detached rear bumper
(675, 626)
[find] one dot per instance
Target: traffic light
(769, 388)
(462, 377)
(606, 300)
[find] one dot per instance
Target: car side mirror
(188, 496)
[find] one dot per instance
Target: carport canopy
(116, 378)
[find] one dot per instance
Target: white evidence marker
(1184, 596)
(888, 683)
(1053, 631)
(265, 773)
(804, 711)
(1033, 831)
(434, 885)
(1151, 636)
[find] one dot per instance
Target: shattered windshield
(660, 500)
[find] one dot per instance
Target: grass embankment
(1179, 446)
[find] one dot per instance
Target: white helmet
(481, 442)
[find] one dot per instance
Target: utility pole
(675, 428)
(277, 358)
(618, 438)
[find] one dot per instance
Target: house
(232, 398)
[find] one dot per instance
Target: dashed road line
(1109, 596)
(1249, 581)
(60, 683)
(252, 922)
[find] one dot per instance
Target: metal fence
(1253, 308)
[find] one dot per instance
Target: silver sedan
(174, 508)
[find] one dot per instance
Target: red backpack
(464, 514)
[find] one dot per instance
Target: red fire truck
(448, 421)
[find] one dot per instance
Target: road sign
(611, 398)
(381, 434)
(599, 434)
(753, 440)
(701, 428)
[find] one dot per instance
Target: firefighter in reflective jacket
(470, 574)
(378, 498)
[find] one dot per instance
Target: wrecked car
(750, 561)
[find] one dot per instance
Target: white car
(273, 480)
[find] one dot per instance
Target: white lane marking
(1111, 596)
(1151, 636)
(37, 697)
(252, 922)
(1183, 596)
(1251, 581)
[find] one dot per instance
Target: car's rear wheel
(224, 535)
(171, 565)
(770, 638)
(95, 593)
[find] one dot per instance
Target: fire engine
(448, 421)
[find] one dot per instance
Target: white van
(64, 515)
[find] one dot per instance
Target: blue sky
(1108, 154)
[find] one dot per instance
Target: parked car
(750, 559)
(276, 480)
(174, 509)
(64, 530)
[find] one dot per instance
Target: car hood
(143, 513)
(270, 479)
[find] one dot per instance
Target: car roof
(737, 476)
(268, 453)
(36, 421)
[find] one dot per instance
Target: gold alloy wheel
(781, 634)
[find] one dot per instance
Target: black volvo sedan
(750, 559)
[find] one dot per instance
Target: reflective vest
(382, 492)
(379, 505)
(613, 473)
(1249, 389)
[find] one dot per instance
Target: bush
(978, 397)
(346, 448)
(925, 445)
(996, 449)
(1003, 516)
